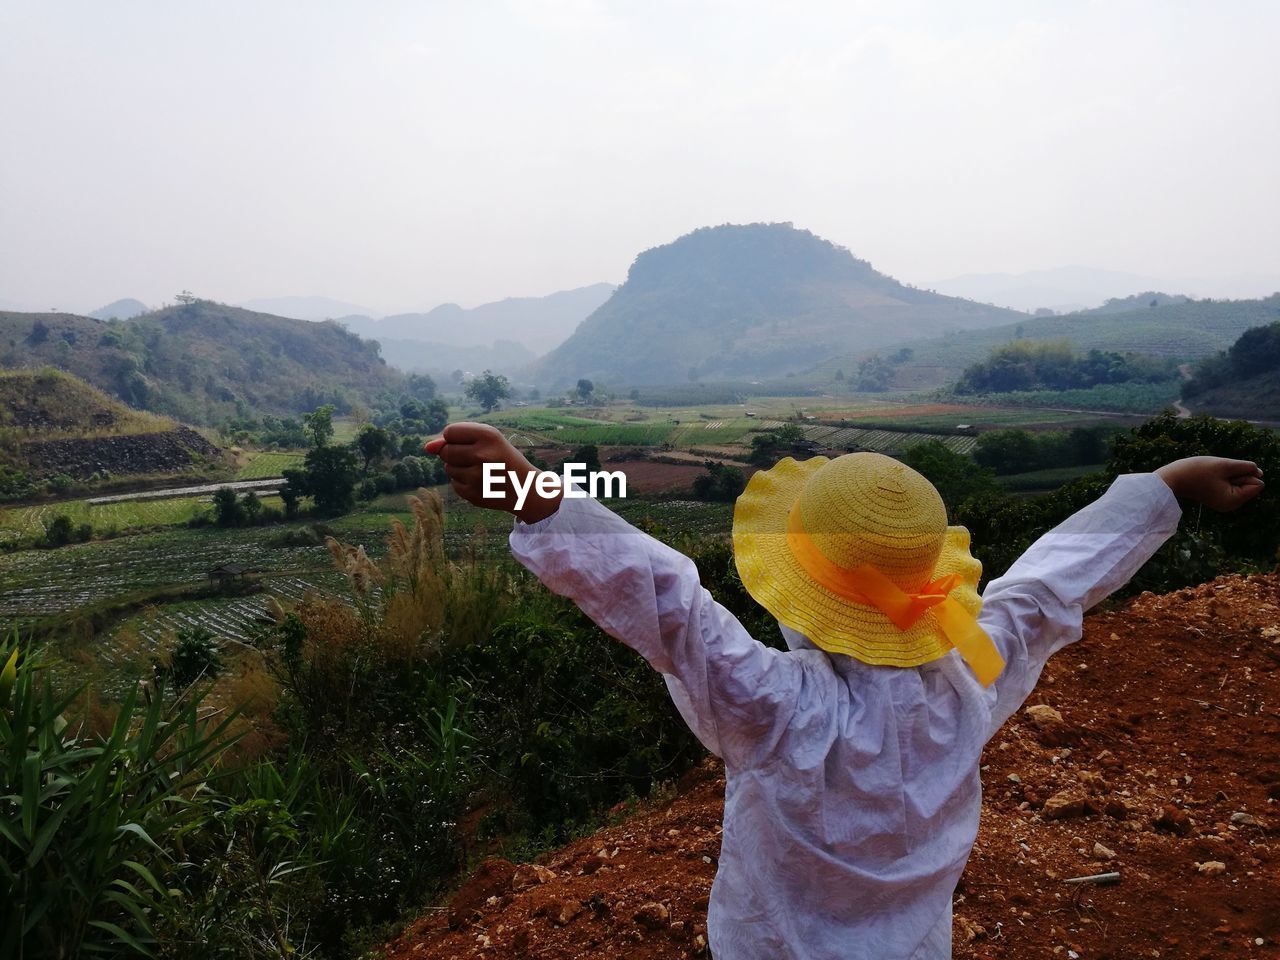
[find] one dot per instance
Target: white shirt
(852, 791)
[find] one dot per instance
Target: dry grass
(48, 404)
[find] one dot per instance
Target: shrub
(195, 656)
(59, 532)
(89, 822)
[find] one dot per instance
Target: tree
(39, 332)
(227, 510)
(329, 476)
(420, 386)
(769, 447)
(318, 425)
(588, 454)
(252, 507)
(585, 388)
(956, 476)
(720, 483)
(489, 389)
(372, 442)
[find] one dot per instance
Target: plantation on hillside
(1175, 331)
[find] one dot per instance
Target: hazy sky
(400, 154)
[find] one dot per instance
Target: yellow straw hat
(856, 554)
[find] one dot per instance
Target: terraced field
(269, 464)
(42, 582)
(878, 441)
(28, 523)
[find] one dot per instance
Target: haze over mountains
(1070, 289)
(539, 323)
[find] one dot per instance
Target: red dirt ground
(1164, 766)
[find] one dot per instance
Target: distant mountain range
(539, 323)
(756, 300)
(1072, 289)
(305, 308)
(125, 309)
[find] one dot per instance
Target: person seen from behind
(851, 760)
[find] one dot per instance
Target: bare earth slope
(1164, 767)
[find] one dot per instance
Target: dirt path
(1163, 767)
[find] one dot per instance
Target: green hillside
(1179, 331)
(48, 404)
(754, 301)
(202, 361)
(54, 425)
(1242, 381)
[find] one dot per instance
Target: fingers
(467, 432)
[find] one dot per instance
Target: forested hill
(1243, 381)
(746, 301)
(1182, 330)
(202, 361)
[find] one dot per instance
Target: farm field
(120, 516)
(42, 582)
(269, 464)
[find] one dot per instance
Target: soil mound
(1151, 749)
(80, 458)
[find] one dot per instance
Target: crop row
(267, 465)
(41, 582)
(31, 522)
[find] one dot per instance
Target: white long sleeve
(1038, 606)
(732, 690)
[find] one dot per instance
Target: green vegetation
(205, 362)
(721, 482)
(48, 404)
(1032, 365)
(1018, 451)
(1241, 381)
(267, 465)
(489, 389)
(1176, 331)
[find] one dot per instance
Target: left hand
(1217, 482)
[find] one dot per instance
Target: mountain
(1062, 289)
(1242, 381)
(1180, 329)
(752, 300)
(305, 308)
(125, 309)
(1138, 301)
(440, 360)
(202, 362)
(539, 323)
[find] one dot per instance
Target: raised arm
(734, 692)
(1038, 606)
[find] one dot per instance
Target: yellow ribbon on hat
(867, 585)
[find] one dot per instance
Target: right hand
(1217, 482)
(466, 447)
